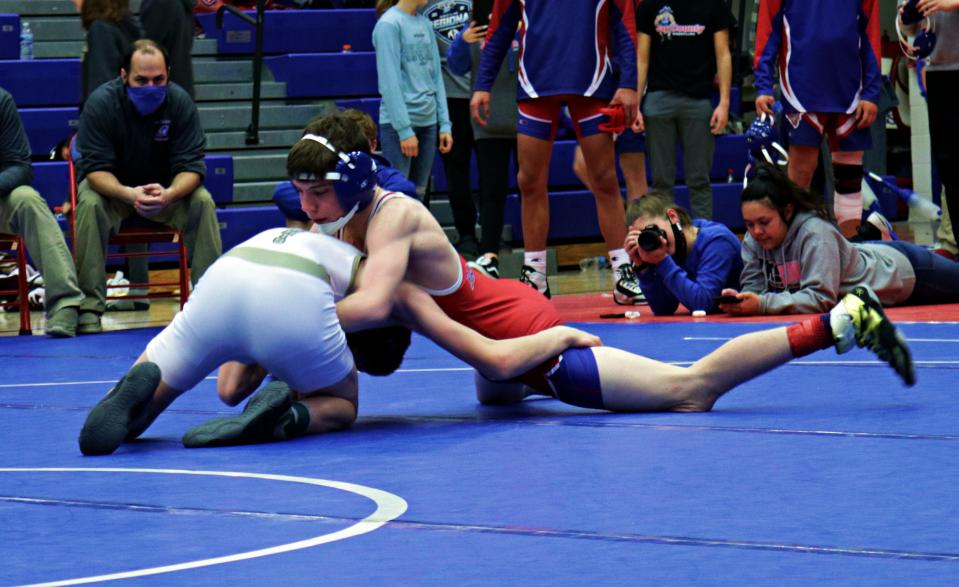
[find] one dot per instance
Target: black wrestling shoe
(488, 266)
(108, 423)
(535, 280)
(256, 424)
(859, 317)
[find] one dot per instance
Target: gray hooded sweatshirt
(815, 266)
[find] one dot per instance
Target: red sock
(809, 336)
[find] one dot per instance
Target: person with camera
(678, 260)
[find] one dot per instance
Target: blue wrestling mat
(824, 472)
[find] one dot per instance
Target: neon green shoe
(858, 319)
(256, 424)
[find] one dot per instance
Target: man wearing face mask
(141, 153)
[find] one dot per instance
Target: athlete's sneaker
(535, 280)
(108, 423)
(627, 291)
(488, 266)
(858, 319)
(256, 424)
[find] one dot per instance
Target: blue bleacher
(295, 31)
(239, 224)
(52, 179)
(46, 127)
(572, 214)
(9, 36)
(326, 75)
(42, 82)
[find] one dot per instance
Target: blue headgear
(910, 13)
(924, 41)
(354, 181)
(761, 141)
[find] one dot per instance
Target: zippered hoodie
(815, 266)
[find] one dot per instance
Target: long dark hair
(384, 5)
(111, 10)
(772, 184)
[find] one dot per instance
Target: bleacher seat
(9, 37)
(572, 214)
(45, 127)
(42, 82)
(239, 224)
(326, 75)
(295, 31)
(52, 180)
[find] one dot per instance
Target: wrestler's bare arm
(496, 360)
(388, 252)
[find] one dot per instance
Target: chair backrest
(14, 244)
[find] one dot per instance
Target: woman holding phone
(797, 262)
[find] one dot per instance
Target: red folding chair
(13, 244)
(138, 230)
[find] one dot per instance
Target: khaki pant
(98, 218)
(944, 235)
(23, 211)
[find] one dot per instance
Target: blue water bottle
(26, 41)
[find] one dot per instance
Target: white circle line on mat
(388, 508)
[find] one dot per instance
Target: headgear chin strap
(353, 178)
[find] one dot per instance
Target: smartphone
(726, 300)
(481, 11)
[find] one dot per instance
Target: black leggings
(937, 278)
(493, 157)
(457, 166)
(942, 88)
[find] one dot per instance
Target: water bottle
(730, 175)
(26, 41)
(923, 207)
(347, 48)
(592, 263)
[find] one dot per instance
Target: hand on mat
(749, 306)
(479, 107)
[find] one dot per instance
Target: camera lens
(649, 238)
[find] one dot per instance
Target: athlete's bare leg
(533, 156)
(599, 156)
(633, 383)
(802, 164)
(634, 172)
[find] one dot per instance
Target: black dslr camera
(649, 238)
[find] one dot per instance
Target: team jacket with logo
(572, 47)
(826, 51)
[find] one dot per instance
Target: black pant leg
(942, 88)
(493, 157)
(457, 166)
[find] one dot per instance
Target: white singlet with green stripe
(270, 300)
